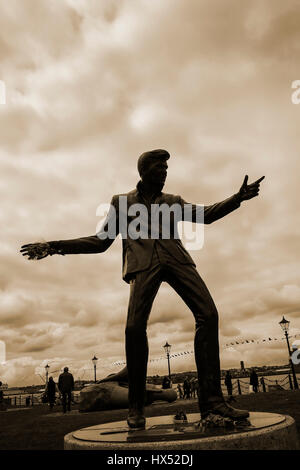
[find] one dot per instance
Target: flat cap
(147, 157)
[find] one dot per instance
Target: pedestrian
(187, 388)
(197, 387)
(193, 388)
(66, 385)
(166, 383)
(180, 391)
(2, 404)
(262, 383)
(254, 381)
(228, 382)
(51, 392)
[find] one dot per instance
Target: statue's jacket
(123, 217)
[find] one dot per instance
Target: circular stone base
(263, 431)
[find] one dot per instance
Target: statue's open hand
(248, 191)
(37, 250)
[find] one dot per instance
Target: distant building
(242, 365)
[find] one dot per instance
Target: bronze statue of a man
(148, 260)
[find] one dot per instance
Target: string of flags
(257, 341)
(190, 351)
(161, 358)
(224, 346)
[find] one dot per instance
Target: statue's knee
(207, 318)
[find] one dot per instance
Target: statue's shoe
(227, 411)
(136, 421)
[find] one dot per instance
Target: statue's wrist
(238, 197)
(54, 248)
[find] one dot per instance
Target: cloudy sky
(89, 86)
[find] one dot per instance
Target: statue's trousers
(186, 281)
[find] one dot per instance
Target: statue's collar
(140, 191)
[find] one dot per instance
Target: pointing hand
(248, 191)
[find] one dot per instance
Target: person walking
(66, 385)
(166, 383)
(51, 392)
(254, 381)
(180, 391)
(262, 383)
(193, 388)
(2, 404)
(228, 383)
(187, 389)
(197, 387)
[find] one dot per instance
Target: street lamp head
(94, 360)
(285, 324)
(47, 367)
(167, 347)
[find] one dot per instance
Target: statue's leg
(143, 290)
(188, 284)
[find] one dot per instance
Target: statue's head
(152, 167)
(66, 369)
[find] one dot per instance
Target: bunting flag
(224, 346)
(257, 341)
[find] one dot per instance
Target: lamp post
(167, 348)
(94, 361)
(47, 372)
(285, 324)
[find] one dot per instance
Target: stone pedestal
(265, 431)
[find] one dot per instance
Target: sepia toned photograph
(150, 235)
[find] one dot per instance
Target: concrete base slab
(264, 431)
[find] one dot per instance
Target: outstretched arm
(93, 244)
(209, 214)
